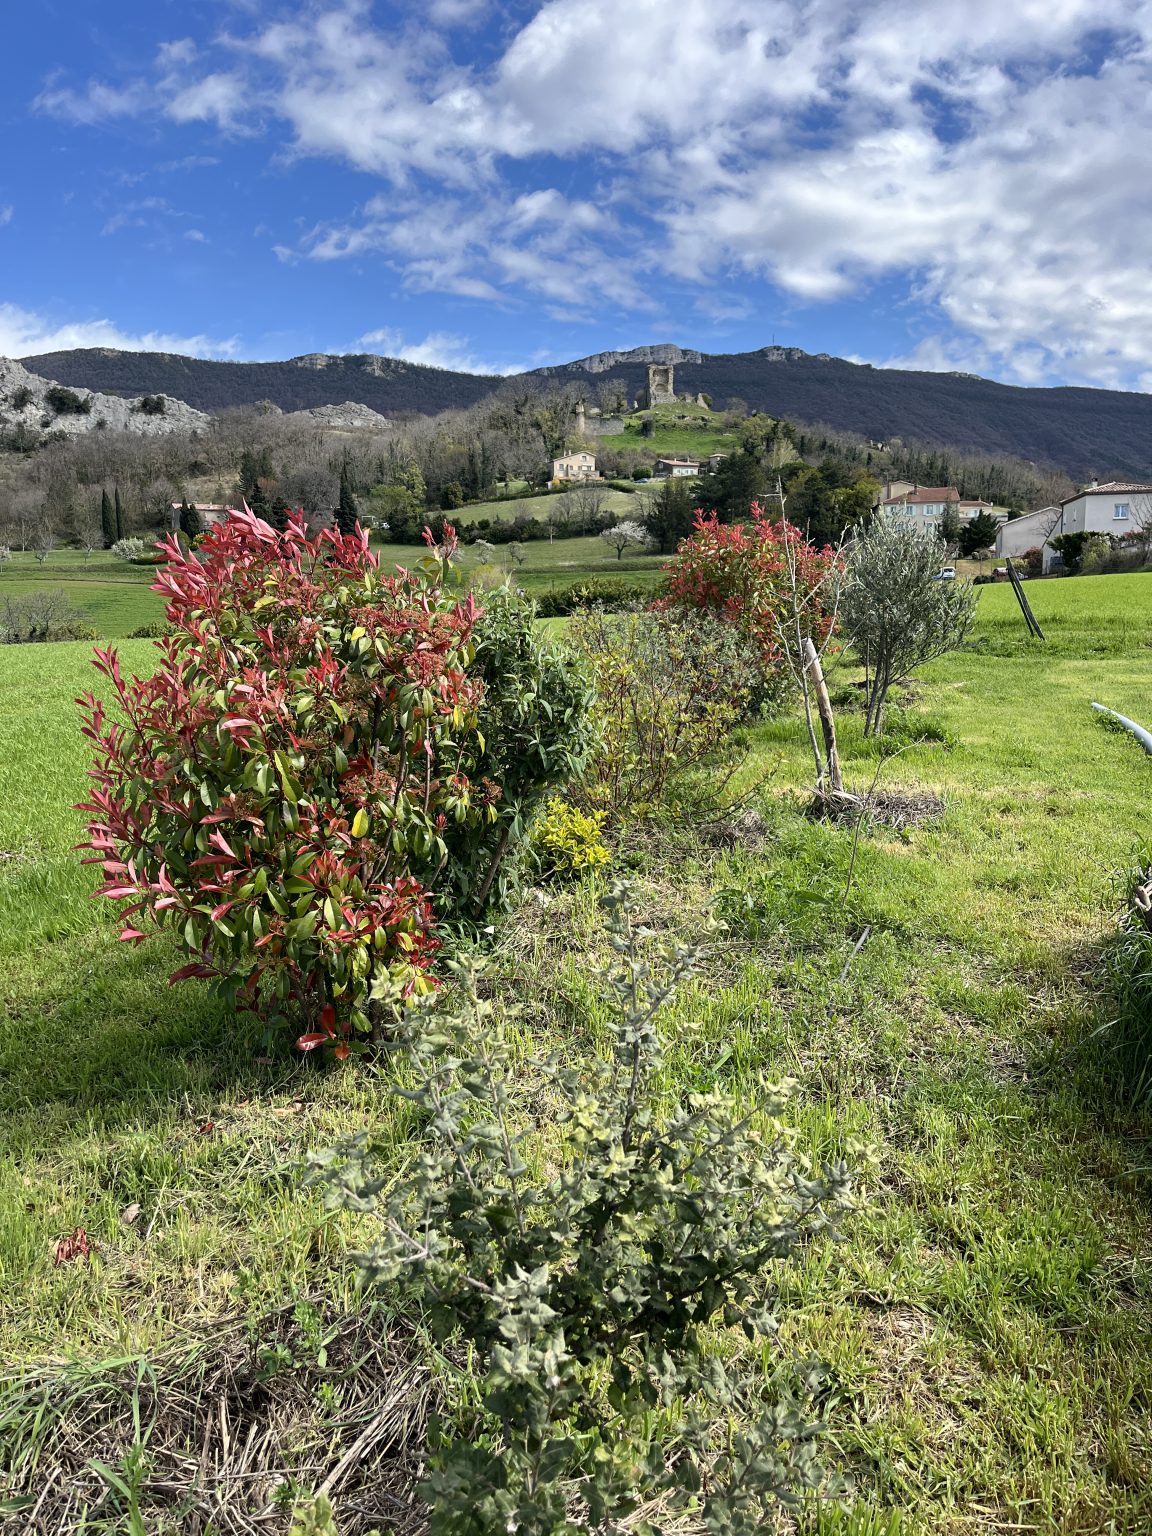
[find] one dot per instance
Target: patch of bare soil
(230, 1427)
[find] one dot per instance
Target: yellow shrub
(567, 841)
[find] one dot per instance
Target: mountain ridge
(1080, 430)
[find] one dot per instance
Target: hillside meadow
(986, 1326)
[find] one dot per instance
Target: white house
(677, 469)
(1032, 531)
(1115, 508)
(575, 466)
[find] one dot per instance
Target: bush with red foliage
(279, 790)
(744, 573)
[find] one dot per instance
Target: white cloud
(439, 349)
(24, 333)
(987, 157)
(6, 212)
(197, 236)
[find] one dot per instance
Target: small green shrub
(534, 734)
(66, 402)
(152, 405)
(603, 592)
(589, 1294)
(671, 686)
(154, 631)
(568, 841)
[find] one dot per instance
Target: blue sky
(496, 184)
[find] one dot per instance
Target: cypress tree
(346, 513)
(119, 517)
(190, 520)
(107, 521)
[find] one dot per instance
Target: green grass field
(115, 598)
(987, 1325)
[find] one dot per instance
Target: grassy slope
(987, 1325)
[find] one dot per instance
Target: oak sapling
(588, 1261)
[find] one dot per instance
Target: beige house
(211, 513)
(926, 503)
(677, 469)
(575, 466)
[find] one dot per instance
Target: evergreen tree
(277, 516)
(257, 498)
(670, 513)
(107, 520)
(977, 534)
(190, 520)
(739, 480)
(347, 516)
(118, 517)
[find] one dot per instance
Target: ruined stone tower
(661, 388)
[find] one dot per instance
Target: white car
(947, 573)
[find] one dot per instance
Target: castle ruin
(661, 387)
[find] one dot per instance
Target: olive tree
(896, 610)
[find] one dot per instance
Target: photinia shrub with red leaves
(763, 576)
(280, 789)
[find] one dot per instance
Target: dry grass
(220, 1433)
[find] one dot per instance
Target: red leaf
(328, 1019)
(342, 1051)
(132, 935)
(310, 1042)
(187, 971)
(75, 1246)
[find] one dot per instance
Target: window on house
(1120, 511)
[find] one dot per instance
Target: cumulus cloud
(24, 333)
(6, 212)
(439, 349)
(986, 156)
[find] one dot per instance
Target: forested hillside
(1081, 431)
(386, 384)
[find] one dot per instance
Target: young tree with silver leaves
(895, 609)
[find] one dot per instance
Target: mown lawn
(987, 1325)
(115, 598)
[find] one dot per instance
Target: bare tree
(26, 509)
(1140, 533)
(43, 542)
(590, 498)
(90, 533)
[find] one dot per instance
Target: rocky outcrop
(40, 405)
(604, 362)
(351, 416)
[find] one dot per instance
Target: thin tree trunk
(827, 719)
